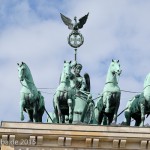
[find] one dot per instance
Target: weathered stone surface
(37, 136)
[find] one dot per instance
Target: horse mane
(147, 80)
(26, 66)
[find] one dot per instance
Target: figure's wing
(87, 79)
(82, 21)
(67, 21)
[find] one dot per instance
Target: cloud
(34, 33)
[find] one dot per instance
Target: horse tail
(87, 80)
(40, 101)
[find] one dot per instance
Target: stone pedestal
(37, 136)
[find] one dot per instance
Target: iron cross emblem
(75, 39)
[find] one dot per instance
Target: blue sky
(32, 31)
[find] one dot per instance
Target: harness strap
(29, 81)
(77, 112)
(109, 82)
(63, 91)
(63, 82)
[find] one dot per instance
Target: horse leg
(41, 108)
(30, 114)
(63, 118)
(40, 114)
(96, 115)
(110, 118)
(70, 110)
(35, 110)
(56, 113)
(108, 97)
(137, 121)
(104, 120)
(142, 106)
(57, 108)
(117, 98)
(100, 118)
(22, 106)
(127, 117)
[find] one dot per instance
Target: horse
(139, 105)
(64, 96)
(108, 103)
(31, 100)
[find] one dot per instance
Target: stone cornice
(73, 136)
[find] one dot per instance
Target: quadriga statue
(139, 105)
(31, 100)
(107, 106)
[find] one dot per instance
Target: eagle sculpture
(74, 26)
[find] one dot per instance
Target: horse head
(66, 71)
(115, 67)
(21, 71)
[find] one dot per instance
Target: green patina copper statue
(72, 98)
(139, 105)
(83, 104)
(74, 26)
(107, 106)
(65, 95)
(81, 83)
(75, 38)
(31, 100)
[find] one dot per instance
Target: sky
(33, 32)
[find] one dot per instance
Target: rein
(24, 85)
(63, 82)
(28, 81)
(146, 86)
(114, 74)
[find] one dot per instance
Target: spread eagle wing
(82, 21)
(67, 21)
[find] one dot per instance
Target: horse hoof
(107, 110)
(30, 121)
(22, 118)
(70, 117)
(66, 119)
(141, 125)
(70, 121)
(123, 123)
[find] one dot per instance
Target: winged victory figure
(74, 26)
